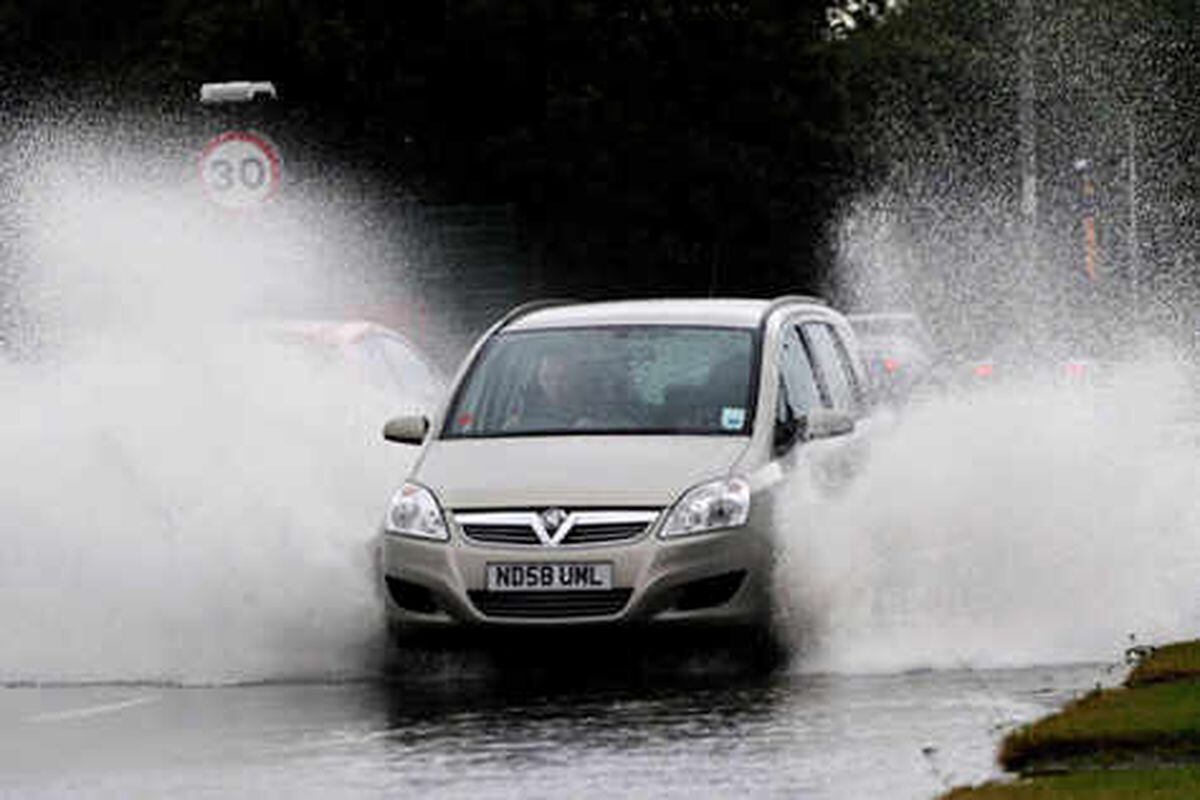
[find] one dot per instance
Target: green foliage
(934, 94)
(934, 85)
(668, 144)
(696, 137)
(648, 143)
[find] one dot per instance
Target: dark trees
(649, 145)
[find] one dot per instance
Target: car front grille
(550, 604)
(533, 529)
(604, 532)
(501, 534)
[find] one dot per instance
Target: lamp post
(1087, 212)
(1030, 307)
(1027, 131)
(1135, 246)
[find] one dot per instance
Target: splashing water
(185, 499)
(1021, 526)
(1036, 521)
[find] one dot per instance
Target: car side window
(833, 366)
(796, 375)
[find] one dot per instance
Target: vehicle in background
(374, 354)
(1031, 365)
(898, 352)
(619, 465)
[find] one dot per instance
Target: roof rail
(523, 309)
(783, 300)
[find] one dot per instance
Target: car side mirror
(824, 423)
(407, 429)
(786, 433)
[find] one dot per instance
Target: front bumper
(713, 579)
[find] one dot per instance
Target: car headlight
(711, 506)
(415, 512)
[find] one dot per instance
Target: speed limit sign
(239, 169)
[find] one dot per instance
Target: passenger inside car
(553, 398)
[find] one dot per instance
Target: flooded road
(785, 735)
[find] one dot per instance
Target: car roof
(897, 316)
(712, 312)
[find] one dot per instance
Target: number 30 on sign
(239, 169)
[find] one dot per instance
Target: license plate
(549, 577)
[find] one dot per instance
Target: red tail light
(891, 364)
(984, 370)
(1075, 369)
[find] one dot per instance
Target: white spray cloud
(183, 498)
(1028, 524)
(1039, 521)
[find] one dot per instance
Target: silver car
(619, 464)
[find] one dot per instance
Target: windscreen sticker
(733, 418)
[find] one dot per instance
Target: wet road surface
(780, 735)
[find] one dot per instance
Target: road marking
(94, 711)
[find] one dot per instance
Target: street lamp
(1135, 246)
(1087, 208)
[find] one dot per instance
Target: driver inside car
(554, 398)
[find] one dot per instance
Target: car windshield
(611, 379)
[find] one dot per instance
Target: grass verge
(1140, 740)
(1159, 722)
(1135, 784)
(1170, 663)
